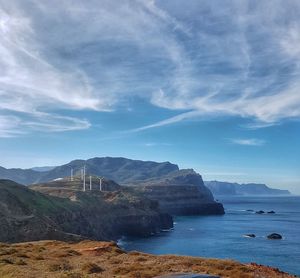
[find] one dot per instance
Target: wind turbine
(81, 174)
(90, 182)
(71, 174)
(100, 183)
(84, 178)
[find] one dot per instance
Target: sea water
(223, 236)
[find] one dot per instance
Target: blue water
(222, 236)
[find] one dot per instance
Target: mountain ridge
(233, 188)
(120, 169)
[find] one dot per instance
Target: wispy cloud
(155, 144)
(248, 142)
(208, 60)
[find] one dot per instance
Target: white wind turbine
(84, 178)
(100, 183)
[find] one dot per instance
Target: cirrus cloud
(201, 59)
(248, 142)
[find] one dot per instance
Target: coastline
(224, 236)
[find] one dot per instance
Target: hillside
(104, 259)
(227, 188)
(27, 214)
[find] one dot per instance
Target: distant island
(229, 188)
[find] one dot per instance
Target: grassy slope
(34, 200)
(105, 259)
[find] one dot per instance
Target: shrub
(92, 268)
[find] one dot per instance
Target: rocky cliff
(181, 193)
(228, 188)
(26, 214)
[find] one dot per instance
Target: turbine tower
(90, 183)
(84, 178)
(100, 184)
(71, 174)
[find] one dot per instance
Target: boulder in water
(260, 212)
(271, 211)
(274, 236)
(250, 235)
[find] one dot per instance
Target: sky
(209, 85)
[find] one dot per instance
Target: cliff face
(227, 188)
(181, 193)
(30, 215)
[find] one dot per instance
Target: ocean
(222, 236)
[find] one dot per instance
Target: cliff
(227, 188)
(181, 193)
(57, 259)
(26, 214)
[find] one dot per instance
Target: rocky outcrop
(181, 193)
(274, 236)
(27, 215)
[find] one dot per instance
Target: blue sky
(210, 85)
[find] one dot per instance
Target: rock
(251, 210)
(260, 212)
(250, 235)
(272, 211)
(274, 236)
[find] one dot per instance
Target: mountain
(23, 176)
(121, 170)
(227, 188)
(27, 215)
(43, 168)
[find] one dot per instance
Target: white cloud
(248, 142)
(155, 144)
(208, 60)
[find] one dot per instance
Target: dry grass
(91, 268)
(104, 259)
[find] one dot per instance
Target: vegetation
(105, 259)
